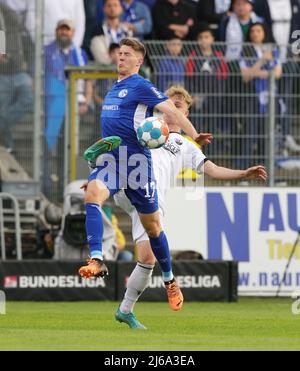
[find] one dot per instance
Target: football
(153, 133)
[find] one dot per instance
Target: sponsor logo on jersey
(179, 141)
(172, 147)
(112, 107)
(123, 93)
(157, 93)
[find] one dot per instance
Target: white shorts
(138, 231)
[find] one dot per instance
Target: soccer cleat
(130, 319)
(175, 296)
(94, 268)
(103, 145)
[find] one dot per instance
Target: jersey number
(150, 189)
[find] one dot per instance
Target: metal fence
(254, 120)
(16, 87)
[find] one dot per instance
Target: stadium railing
(17, 69)
(253, 122)
(15, 217)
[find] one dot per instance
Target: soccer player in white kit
(168, 161)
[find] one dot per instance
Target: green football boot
(102, 146)
(129, 319)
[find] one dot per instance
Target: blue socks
(160, 248)
(94, 230)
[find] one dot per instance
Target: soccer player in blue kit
(129, 167)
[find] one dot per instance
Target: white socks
(136, 285)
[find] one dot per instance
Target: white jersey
(177, 154)
(168, 161)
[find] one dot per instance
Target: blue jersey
(126, 106)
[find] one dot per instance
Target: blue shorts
(133, 173)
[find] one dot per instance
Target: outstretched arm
(223, 173)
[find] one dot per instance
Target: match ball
(153, 133)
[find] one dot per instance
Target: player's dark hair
(136, 45)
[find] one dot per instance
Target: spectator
(21, 8)
(137, 18)
(282, 17)
(207, 72)
(174, 19)
(233, 31)
(234, 28)
(212, 11)
(94, 11)
(99, 11)
(112, 31)
(258, 60)
(94, 15)
(16, 96)
(56, 10)
(58, 55)
(171, 67)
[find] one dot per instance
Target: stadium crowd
(80, 32)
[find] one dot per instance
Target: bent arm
(250, 73)
(176, 117)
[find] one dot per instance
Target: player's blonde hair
(181, 91)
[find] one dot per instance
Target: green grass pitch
(250, 324)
